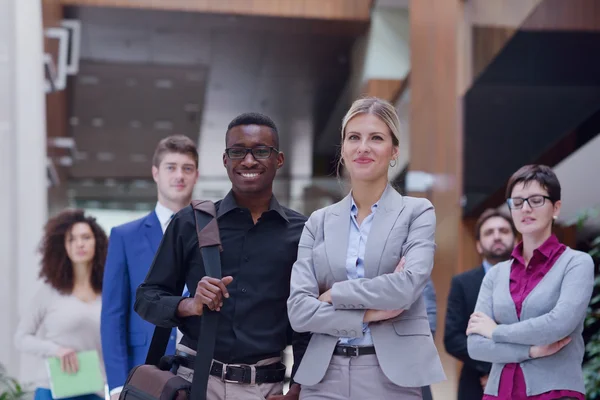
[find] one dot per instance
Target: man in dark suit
(495, 234)
(125, 336)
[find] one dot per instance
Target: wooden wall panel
(436, 146)
(56, 109)
(558, 15)
(352, 10)
(487, 43)
(387, 89)
(501, 13)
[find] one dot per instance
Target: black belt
(353, 351)
(237, 373)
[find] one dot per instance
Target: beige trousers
(219, 390)
(357, 378)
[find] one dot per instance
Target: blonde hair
(378, 107)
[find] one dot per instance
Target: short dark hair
(491, 213)
(253, 118)
(175, 144)
(57, 270)
(541, 174)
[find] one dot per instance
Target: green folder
(87, 380)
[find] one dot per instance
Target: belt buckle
(245, 368)
(353, 353)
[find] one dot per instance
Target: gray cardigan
(555, 309)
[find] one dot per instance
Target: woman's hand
(326, 296)
(549, 349)
(68, 360)
(380, 315)
(481, 324)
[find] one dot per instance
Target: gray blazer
(402, 226)
(555, 309)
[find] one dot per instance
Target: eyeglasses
(535, 201)
(259, 152)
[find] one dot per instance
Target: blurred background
(482, 87)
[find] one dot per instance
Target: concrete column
(300, 161)
(23, 205)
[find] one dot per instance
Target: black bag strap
(210, 246)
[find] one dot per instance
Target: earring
(554, 217)
(394, 163)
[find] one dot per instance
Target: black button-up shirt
(253, 323)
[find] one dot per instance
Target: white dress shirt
(164, 216)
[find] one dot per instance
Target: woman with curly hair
(64, 317)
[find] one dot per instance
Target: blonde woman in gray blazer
(364, 306)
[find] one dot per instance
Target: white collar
(163, 214)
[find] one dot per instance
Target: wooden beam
(495, 22)
(436, 143)
(386, 89)
(501, 13)
(487, 44)
(56, 110)
(560, 15)
(350, 10)
(554, 15)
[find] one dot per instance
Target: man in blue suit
(125, 336)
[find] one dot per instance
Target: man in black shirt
(260, 243)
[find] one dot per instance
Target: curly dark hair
(57, 269)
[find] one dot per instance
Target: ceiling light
(88, 80)
(62, 142)
(140, 184)
(105, 156)
(194, 77)
(138, 158)
(65, 161)
(163, 125)
(191, 107)
(163, 84)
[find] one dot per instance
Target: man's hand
(481, 324)
(483, 380)
(68, 360)
(292, 394)
(549, 349)
(115, 396)
(210, 292)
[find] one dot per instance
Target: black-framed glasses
(259, 152)
(535, 201)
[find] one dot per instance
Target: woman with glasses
(528, 321)
(358, 281)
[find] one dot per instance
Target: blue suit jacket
(125, 336)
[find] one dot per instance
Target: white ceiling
(578, 176)
(393, 3)
(269, 65)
